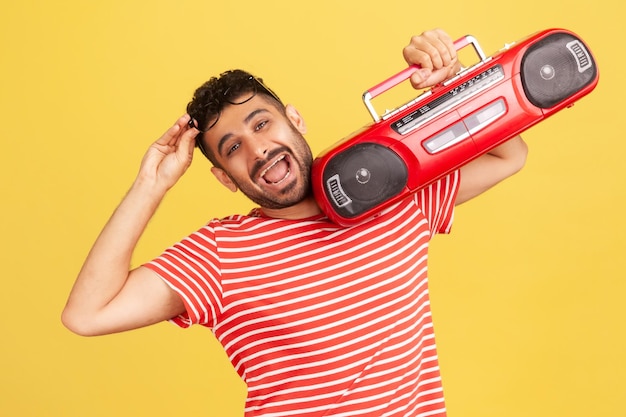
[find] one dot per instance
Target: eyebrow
(227, 136)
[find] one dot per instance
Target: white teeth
(270, 167)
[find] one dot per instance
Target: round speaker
(362, 177)
(555, 68)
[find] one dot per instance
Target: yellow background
(528, 292)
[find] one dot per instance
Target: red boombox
(450, 124)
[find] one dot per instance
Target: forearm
(106, 268)
(489, 169)
(107, 296)
(514, 151)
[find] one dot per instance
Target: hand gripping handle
(405, 74)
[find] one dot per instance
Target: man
(317, 319)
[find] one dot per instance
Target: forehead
(235, 118)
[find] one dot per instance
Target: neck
(302, 210)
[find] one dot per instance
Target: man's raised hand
(168, 158)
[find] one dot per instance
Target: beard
(298, 188)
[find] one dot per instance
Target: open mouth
(277, 172)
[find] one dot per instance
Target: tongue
(277, 172)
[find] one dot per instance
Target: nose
(259, 147)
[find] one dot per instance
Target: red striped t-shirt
(321, 320)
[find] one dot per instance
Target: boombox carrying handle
(406, 74)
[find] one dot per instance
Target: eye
(233, 148)
(260, 125)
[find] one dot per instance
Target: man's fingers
(445, 52)
(416, 53)
(172, 135)
(419, 77)
(449, 48)
(435, 53)
(432, 49)
(187, 141)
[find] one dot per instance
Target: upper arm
(144, 299)
(489, 169)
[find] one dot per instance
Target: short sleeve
(192, 269)
(437, 202)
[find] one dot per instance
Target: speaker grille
(555, 68)
(362, 177)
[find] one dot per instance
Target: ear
(224, 178)
(296, 119)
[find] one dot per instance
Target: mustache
(258, 166)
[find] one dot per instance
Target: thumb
(419, 77)
(187, 144)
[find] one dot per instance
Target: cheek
(237, 168)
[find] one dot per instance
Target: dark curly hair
(230, 88)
